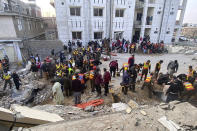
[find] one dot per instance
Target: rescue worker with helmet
(7, 78)
(148, 83)
(157, 68)
(146, 69)
(125, 81)
(191, 74)
(125, 67)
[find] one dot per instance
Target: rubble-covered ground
(144, 118)
(42, 96)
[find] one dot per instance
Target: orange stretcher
(91, 103)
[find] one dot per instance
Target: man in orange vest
(191, 74)
(146, 69)
(149, 84)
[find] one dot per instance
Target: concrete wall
(7, 29)
(30, 27)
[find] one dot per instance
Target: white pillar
(181, 20)
(144, 16)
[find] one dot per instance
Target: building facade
(19, 21)
(86, 20)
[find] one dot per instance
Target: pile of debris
(74, 113)
(173, 117)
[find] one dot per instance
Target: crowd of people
(71, 73)
(145, 47)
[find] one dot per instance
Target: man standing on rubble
(98, 82)
(174, 90)
(7, 78)
(133, 73)
(131, 61)
(77, 89)
(113, 67)
(173, 67)
(157, 68)
(106, 79)
(146, 69)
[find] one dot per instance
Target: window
(139, 16)
(20, 26)
(75, 11)
(98, 35)
(98, 12)
(76, 35)
(119, 13)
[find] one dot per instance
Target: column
(181, 20)
(144, 15)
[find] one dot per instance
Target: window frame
(119, 13)
(99, 34)
(75, 11)
(77, 36)
(98, 12)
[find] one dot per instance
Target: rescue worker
(148, 83)
(59, 73)
(113, 67)
(125, 82)
(59, 66)
(146, 69)
(82, 79)
(191, 74)
(157, 68)
(125, 67)
(7, 78)
(174, 90)
(189, 90)
(133, 75)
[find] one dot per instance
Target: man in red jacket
(131, 61)
(113, 67)
(107, 79)
(98, 80)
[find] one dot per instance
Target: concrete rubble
(147, 118)
(25, 115)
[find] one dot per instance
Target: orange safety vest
(87, 75)
(188, 86)
(146, 66)
(91, 62)
(125, 66)
(148, 79)
(81, 78)
(73, 77)
(91, 75)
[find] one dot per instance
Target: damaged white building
(88, 20)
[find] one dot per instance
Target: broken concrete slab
(119, 107)
(6, 114)
(133, 104)
(32, 116)
(170, 125)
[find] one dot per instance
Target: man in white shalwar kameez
(58, 96)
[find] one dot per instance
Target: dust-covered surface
(141, 119)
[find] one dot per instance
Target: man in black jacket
(16, 80)
(133, 73)
(77, 89)
(174, 90)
